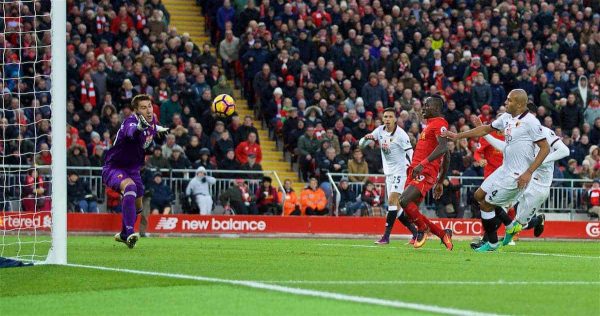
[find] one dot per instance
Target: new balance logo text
(167, 223)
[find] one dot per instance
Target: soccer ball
(223, 105)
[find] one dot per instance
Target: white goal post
(58, 249)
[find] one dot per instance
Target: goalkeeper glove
(142, 123)
(162, 131)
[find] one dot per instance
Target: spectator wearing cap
(255, 58)
(157, 160)
(267, 199)
(236, 198)
(475, 66)
(199, 190)
(248, 147)
(486, 114)
(313, 200)
(178, 160)
(162, 196)
(291, 205)
(252, 165)
(204, 160)
(169, 108)
(308, 145)
(481, 92)
(346, 152)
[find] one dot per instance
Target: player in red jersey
(424, 172)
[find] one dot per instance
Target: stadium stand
(331, 65)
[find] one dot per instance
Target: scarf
(100, 23)
(141, 21)
(162, 95)
(88, 94)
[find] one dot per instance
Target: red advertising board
(196, 224)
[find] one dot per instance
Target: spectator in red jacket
(593, 198)
(123, 17)
(248, 147)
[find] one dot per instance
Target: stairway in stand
(187, 18)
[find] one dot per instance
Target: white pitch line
(406, 282)
(501, 252)
(298, 291)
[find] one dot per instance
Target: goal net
(32, 131)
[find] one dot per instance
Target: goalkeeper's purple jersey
(130, 145)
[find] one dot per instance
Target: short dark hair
(135, 102)
(437, 99)
(390, 110)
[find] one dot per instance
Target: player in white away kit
(538, 189)
(522, 132)
(396, 154)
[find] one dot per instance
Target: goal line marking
(297, 291)
(501, 252)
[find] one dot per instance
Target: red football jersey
(427, 143)
(493, 156)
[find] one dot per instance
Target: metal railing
(565, 194)
(176, 179)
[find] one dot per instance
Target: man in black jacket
(79, 196)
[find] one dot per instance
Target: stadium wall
(256, 225)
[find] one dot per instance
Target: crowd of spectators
(320, 73)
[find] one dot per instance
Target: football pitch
(261, 276)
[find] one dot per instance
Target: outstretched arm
(475, 132)
(559, 151)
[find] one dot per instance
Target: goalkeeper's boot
(118, 238)
(383, 241)
(487, 247)
(421, 239)
(447, 239)
(539, 228)
(132, 240)
(511, 231)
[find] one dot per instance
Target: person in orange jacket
(291, 206)
(313, 200)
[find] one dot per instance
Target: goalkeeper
(121, 171)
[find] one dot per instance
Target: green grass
(72, 290)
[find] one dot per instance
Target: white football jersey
(396, 159)
(545, 173)
(520, 135)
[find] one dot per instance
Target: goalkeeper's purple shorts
(112, 178)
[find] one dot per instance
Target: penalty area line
(297, 291)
